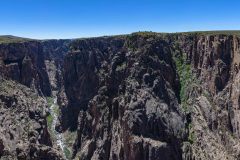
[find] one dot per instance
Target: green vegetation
(49, 120)
(50, 101)
(69, 139)
(187, 81)
(146, 33)
(223, 32)
(185, 75)
(56, 110)
(132, 40)
(67, 153)
(191, 135)
(12, 39)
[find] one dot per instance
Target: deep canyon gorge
(142, 96)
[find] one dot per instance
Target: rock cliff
(23, 125)
(124, 93)
(30, 71)
(36, 64)
(213, 99)
(140, 96)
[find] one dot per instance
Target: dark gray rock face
(29, 62)
(214, 99)
(143, 96)
(37, 65)
(23, 126)
(123, 91)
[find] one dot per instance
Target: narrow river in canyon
(58, 137)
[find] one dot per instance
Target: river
(58, 137)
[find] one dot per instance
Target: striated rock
(214, 110)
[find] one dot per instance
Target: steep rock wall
(213, 100)
(123, 91)
(139, 96)
(31, 62)
(23, 125)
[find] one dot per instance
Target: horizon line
(112, 35)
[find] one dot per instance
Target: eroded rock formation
(140, 96)
(35, 66)
(23, 126)
(213, 100)
(125, 99)
(34, 63)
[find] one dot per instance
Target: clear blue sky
(86, 18)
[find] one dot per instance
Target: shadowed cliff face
(140, 96)
(213, 100)
(29, 63)
(144, 96)
(37, 66)
(124, 91)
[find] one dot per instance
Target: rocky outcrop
(23, 126)
(151, 96)
(213, 98)
(140, 96)
(36, 64)
(124, 93)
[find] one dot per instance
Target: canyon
(142, 96)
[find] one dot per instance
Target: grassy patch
(191, 135)
(67, 153)
(50, 101)
(56, 110)
(70, 139)
(49, 121)
(13, 39)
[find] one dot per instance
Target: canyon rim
(141, 96)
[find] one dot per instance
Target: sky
(46, 19)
